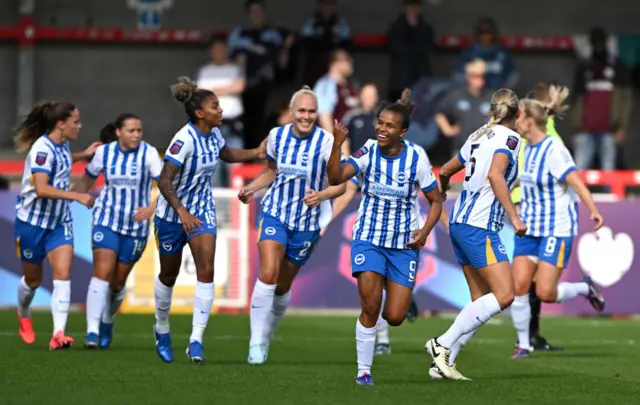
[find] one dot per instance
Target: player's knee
(547, 293)
(371, 308)
(168, 279)
(268, 274)
(522, 288)
(505, 298)
(33, 282)
(394, 319)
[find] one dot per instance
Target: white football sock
(279, 307)
(472, 316)
(567, 291)
(382, 326)
(365, 347)
(458, 345)
(261, 305)
(25, 296)
(163, 296)
(521, 315)
(202, 303)
(96, 302)
(60, 299)
(114, 301)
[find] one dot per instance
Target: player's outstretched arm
(234, 155)
(45, 190)
(84, 185)
(264, 179)
(575, 182)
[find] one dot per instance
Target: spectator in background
(260, 50)
(466, 108)
(321, 34)
(411, 40)
(227, 80)
(501, 71)
(603, 105)
(361, 121)
(336, 93)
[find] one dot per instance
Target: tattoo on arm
(165, 184)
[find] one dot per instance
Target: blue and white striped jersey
(358, 182)
(389, 211)
(301, 165)
(54, 159)
(548, 207)
(477, 205)
(197, 155)
(127, 186)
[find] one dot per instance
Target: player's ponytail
(43, 118)
(186, 91)
(404, 106)
(504, 107)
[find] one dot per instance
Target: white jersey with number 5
(477, 205)
(548, 207)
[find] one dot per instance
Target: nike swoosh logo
(253, 306)
(480, 320)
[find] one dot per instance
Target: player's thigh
(499, 277)
(367, 257)
(286, 275)
(397, 303)
(272, 243)
(555, 251)
(105, 245)
(370, 286)
(60, 260)
(547, 278)
(477, 285)
(170, 240)
(301, 245)
(30, 250)
(457, 235)
(203, 249)
(30, 242)
(525, 259)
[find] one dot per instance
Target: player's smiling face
(389, 129)
(305, 113)
(130, 134)
(210, 111)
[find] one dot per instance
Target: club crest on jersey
(175, 148)
(41, 158)
(512, 142)
(304, 158)
(360, 152)
(401, 177)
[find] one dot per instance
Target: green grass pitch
(312, 361)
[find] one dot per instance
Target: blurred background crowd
(255, 64)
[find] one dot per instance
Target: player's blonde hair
(504, 107)
(304, 91)
(546, 105)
